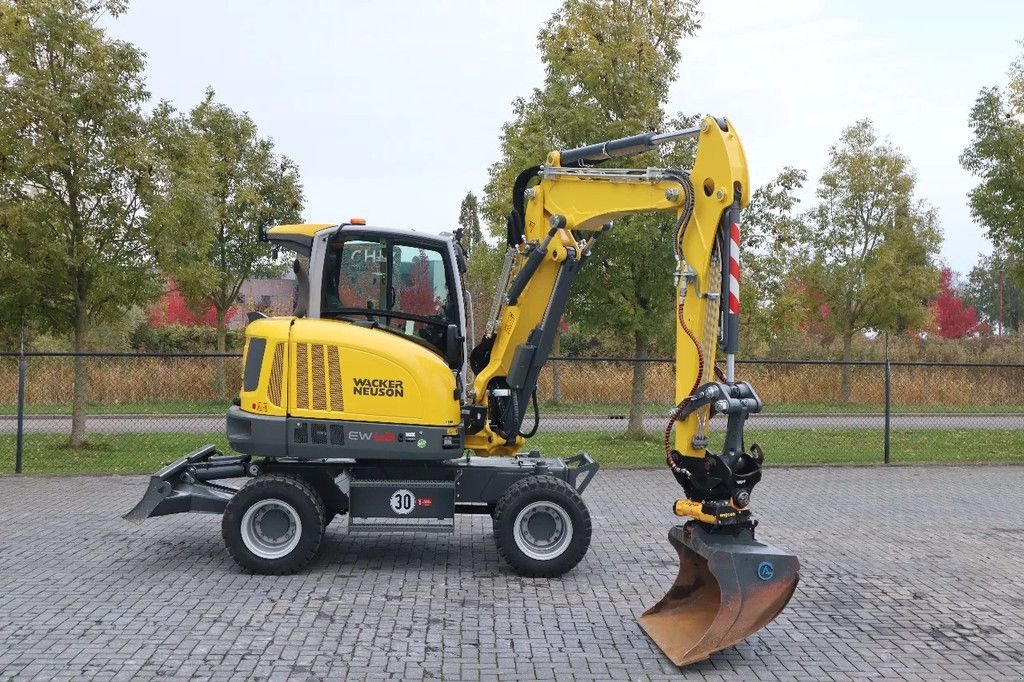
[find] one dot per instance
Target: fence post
(888, 400)
(20, 438)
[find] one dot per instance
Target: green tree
(981, 290)
(469, 221)
(871, 241)
(608, 67)
(773, 244)
(229, 184)
(482, 273)
(75, 175)
(996, 156)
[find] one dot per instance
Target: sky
(393, 109)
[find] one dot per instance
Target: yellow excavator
(367, 402)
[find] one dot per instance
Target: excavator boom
(729, 585)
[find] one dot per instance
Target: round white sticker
(403, 501)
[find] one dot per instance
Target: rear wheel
(274, 525)
(541, 527)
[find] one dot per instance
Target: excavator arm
(552, 228)
(729, 585)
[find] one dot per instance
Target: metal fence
(146, 409)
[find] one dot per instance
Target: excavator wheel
(541, 527)
(729, 586)
(274, 525)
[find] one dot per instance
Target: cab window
(355, 276)
(396, 284)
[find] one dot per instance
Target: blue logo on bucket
(766, 571)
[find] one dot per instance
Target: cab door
(409, 286)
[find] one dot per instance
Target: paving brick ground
(908, 574)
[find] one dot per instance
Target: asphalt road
(112, 424)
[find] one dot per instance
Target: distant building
(268, 296)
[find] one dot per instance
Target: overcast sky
(393, 109)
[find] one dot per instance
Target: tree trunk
(80, 392)
(222, 342)
(846, 386)
(635, 428)
(556, 372)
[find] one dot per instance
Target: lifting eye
(709, 186)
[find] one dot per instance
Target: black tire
(552, 553)
(285, 498)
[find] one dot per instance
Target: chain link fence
(144, 410)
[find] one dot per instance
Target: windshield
(398, 285)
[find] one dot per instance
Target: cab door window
(419, 282)
(355, 276)
(419, 290)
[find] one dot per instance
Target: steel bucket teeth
(729, 587)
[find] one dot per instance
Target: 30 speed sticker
(403, 501)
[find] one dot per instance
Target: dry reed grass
(114, 381)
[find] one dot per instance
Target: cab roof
(299, 237)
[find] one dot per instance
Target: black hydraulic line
(515, 219)
(536, 418)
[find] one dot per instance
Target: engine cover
(337, 370)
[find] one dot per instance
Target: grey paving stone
(908, 574)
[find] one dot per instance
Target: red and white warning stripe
(734, 269)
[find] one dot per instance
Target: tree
(954, 319)
(228, 182)
(469, 220)
(981, 291)
(608, 67)
(75, 175)
(996, 156)
(773, 245)
(482, 273)
(871, 241)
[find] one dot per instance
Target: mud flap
(174, 490)
(729, 586)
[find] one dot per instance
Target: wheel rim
(542, 530)
(271, 529)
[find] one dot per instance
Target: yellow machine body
(331, 369)
(587, 204)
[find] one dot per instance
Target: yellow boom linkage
(729, 585)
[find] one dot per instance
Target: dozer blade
(170, 492)
(729, 587)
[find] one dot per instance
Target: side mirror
(453, 348)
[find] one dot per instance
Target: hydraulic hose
(536, 418)
(685, 401)
(681, 225)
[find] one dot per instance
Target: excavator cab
(401, 281)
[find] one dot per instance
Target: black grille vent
(319, 433)
(337, 434)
